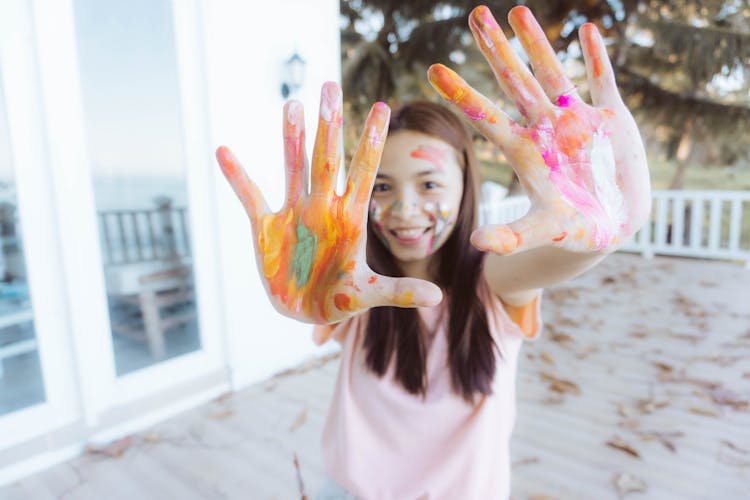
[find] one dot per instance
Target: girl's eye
(430, 185)
(380, 188)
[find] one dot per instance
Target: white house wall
(246, 46)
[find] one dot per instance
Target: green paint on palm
(304, 254)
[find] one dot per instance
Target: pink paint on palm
(575, 148)
(564, 101)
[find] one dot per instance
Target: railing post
(166, 227)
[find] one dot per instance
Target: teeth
(408, 233)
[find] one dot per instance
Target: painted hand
(583, 167)
(311, 253)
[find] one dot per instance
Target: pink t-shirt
(380, 442)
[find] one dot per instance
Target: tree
(683, 66)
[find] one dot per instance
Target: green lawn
(696, 177)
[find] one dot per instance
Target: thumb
(531, 231)
(405, 292)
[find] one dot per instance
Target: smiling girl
(430, 309)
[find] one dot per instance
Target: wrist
(520, 298)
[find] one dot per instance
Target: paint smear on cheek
(433, 154)
(442, 217)
(376, 215)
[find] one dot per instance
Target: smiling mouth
(411, 235)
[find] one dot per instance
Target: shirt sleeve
(527, 317)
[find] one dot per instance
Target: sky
(130, 91)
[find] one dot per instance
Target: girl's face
(417, 194)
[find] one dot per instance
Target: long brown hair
(471, 350)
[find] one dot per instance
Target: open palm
(583, 166)
(311, 253)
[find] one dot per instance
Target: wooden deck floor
(637, 388)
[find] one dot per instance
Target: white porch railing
(706, 224)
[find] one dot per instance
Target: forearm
(517, 278)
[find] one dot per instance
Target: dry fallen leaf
(226, 413)
(151, 437)
(664, 367)
(547, 358)
(661, 436)
(224, 397)
(733, 446)
(620, 444)
(629, 423)
(584, 353)
(626, 482)
(300, 482)
(650, 406)
(704, 411)
(624, 411)
(553, 399)
(526, 461)
(299, 421)
(114, 449)
(560, 385)
(559, 294)
(729, 398)
(560, 337)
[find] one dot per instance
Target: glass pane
(131, 109)
(21, 382)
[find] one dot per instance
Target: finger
(531, 231)
(601, 77)
(548, 69)
(403, 292)
(327, 156)
(382, 290)
(491, 122)
(294, 152)
(245, 189)
(512, 74)
(367, 158)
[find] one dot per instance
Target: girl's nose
(406, 207)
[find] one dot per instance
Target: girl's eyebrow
(418, 174)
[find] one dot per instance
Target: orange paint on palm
(327, 240)
(572, 132)
(309, 247)
(343, 302)
(405, 299)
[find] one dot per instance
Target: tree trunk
(682, 156)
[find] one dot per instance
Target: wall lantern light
(294, 75)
